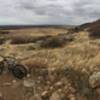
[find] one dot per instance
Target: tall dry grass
(81, 54)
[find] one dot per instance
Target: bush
(27, 39)
(57, 41)
(3, 32)
(2, 40)
(95, 33)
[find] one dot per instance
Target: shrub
(2, 40)
(57, 41)
(94, 33)
(4, 32)
(27, 39)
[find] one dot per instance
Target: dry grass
(38, 31)
(82, 56)
(82, 53)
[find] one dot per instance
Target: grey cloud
(87, 9)
(49, 11)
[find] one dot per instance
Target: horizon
(48, 24)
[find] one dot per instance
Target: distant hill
(93, 28)
(33, 26)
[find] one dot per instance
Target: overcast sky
(48, 11)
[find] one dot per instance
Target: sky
(40, 12)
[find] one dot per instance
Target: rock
(45, 95)
(55, 96)
(28, 75)
(72, 90)
(28, 83)
(72, 97)
(58, 84)
(7, 84)
(36, 97)
(51, 88)
(1, 95)
(15, 84)
(94, 80)
(48, 82)
(59, 91)
(14, 81)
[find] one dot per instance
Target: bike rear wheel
(19, 71)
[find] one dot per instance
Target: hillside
(93, 28)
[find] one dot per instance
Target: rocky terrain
(63, 64)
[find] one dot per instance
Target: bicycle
(17, 69)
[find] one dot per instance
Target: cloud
(48, 11)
